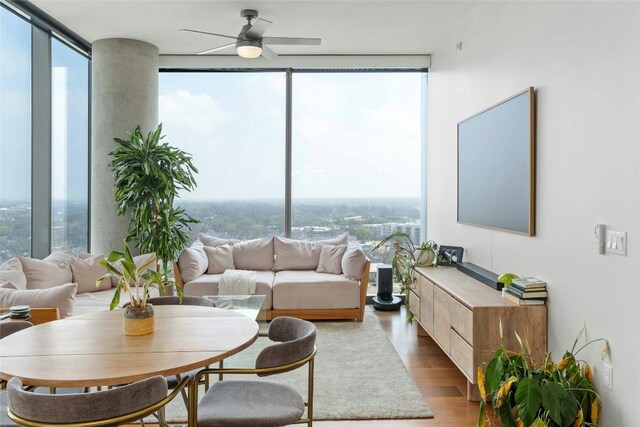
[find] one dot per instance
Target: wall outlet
(607, 376)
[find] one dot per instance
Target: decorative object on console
(148, 176)
(451, 255)
(526, 291)
(138, 316)
(406, 257)
(543, 394)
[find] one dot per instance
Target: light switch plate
(616, 242)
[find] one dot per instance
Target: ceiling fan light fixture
(249, 49)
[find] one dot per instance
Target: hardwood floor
(442, 385)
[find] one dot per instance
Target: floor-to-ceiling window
(15, 136)
(44, 137)
(355, 151)
(356, 154)
(69, 147)
(234, 126)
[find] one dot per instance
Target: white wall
(583, 58)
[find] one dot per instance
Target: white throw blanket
(237, 282)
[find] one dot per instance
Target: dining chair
(173, 381)
(261, 403)
(111, 407)
(9, 327)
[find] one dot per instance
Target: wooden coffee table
(91, 350)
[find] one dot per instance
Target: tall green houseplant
(148, 176)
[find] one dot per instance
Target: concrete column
(124, 95)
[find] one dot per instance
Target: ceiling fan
(250, 43)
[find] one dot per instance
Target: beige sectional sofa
(312, 280)
(61, 280)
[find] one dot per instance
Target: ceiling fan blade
(258, 27)
(216, 49)
(211, 34)
(268, 53)
(292, 40)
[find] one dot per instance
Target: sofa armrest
(364, 284)
(177, 276)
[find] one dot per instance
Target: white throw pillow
(58, 296)
(353, 263)
(60, 256)
(11, 271)
(87, 271)
(43, 274)
(296, 254)
(214, 242)
(331, 259)
(220, 259)
(193, 262)
(254, 254)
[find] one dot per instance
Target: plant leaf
(494, 375)
(504, 412)
(482, 417)
(528, 399)
(568, 409)
(552, 396)
(116, 298)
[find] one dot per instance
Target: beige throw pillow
(254, 254)
(331, 259)
(342, 239)
(353, 263)
(220, 259)
(58, 296)
(214, 242)
(42, 274)
(87, 271)
(11, 271)
(60, 256)
(193, 262)
(296, 254)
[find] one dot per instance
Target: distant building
(380, 231)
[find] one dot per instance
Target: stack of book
(526, 291)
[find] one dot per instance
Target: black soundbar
(487, 277)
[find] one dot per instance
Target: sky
(70, 102)
(354, 134)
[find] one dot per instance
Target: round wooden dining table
(91, 350)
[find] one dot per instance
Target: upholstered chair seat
(249, 403)
(261, 403)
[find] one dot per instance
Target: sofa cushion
(353, 263)
(59, 296)
(313, 290)
(91, 302)
(60, 256)
(207, 284)
(254, 254)
(11, 271)
(331, 259)
(87, 271)
(219, 259)
(296, 254)
(213, 241)
(8, 285)
(42, 274)
(192, 262)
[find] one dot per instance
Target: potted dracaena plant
(406, 257)
(149, 174)
(136, 281)
(551, 394)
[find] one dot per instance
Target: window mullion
(287, 177)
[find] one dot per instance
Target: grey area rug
(358, 375)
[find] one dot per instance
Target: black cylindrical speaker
(385, 282)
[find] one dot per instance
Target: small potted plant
(406, 257)
(136, 281)
(549, 394)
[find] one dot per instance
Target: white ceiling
(346, 27)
